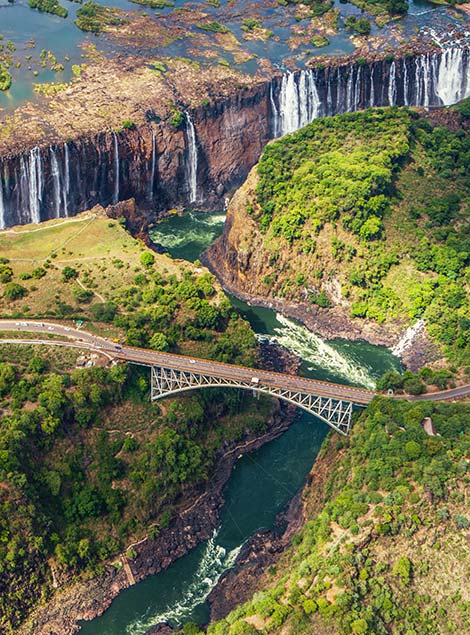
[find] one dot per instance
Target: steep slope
(359, 219)
(384, 546)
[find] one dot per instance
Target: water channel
(32, 31)
(263, 482)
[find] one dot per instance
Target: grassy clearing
(105, 256)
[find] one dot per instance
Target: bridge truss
(336, 413)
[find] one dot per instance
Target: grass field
(103, 253)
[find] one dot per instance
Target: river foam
(215, 560)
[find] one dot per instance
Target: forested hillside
(384, 545)
(367, 212)
(86, 462)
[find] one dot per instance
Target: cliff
(344, 225)
(190, 136)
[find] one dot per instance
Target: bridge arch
(336, 413)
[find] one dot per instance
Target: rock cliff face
(214, 146)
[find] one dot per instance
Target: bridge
(171, 374)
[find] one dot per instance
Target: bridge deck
(148, 357)
(243, 373)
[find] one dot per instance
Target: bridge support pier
(336, 413)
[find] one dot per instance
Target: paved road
(148, 357)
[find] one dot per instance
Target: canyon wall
(215, 146)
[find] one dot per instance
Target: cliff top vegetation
(368, 212)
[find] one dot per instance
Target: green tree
(159, 342)
(147, 259)
(69, 273)
(14, 291)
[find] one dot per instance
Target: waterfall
(392, 85)
(192, 159)
(405, 84)
(89, 171)
(32, 181)
(66, 191)
(372, 89)
(2, 205)
(407, 339)
(452, 82)
(274, 113)
(349, 89)
(116, 169)
(152, 168)
(55, 171)
(430, 79)
(289, 104)
(426, 80)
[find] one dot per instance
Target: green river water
(263, 482)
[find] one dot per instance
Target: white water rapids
(214, 562)
(311, 348)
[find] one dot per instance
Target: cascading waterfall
(192, 159)
(405, 85)
(33, 181)
(84, 173)
(407, 339)
(274, 113)
(66, 191)
(452, 81)
(392, 87)
(55, 181)
(431, 79)
(299, 103)
(153, 164)
(116, 169)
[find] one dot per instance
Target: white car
(50, 328)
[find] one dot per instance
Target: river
(262, 483)
(32, 32)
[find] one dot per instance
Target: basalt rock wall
(215, 146)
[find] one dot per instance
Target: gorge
(211, 151)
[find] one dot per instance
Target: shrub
(82, 295)
(14, 291)
(177, 119)
(6, 273)
(103, 311)
(147, 259)
(69, 273)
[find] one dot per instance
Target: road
(148, 357)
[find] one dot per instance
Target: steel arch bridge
(337, 413)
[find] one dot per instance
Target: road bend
(230, 372)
